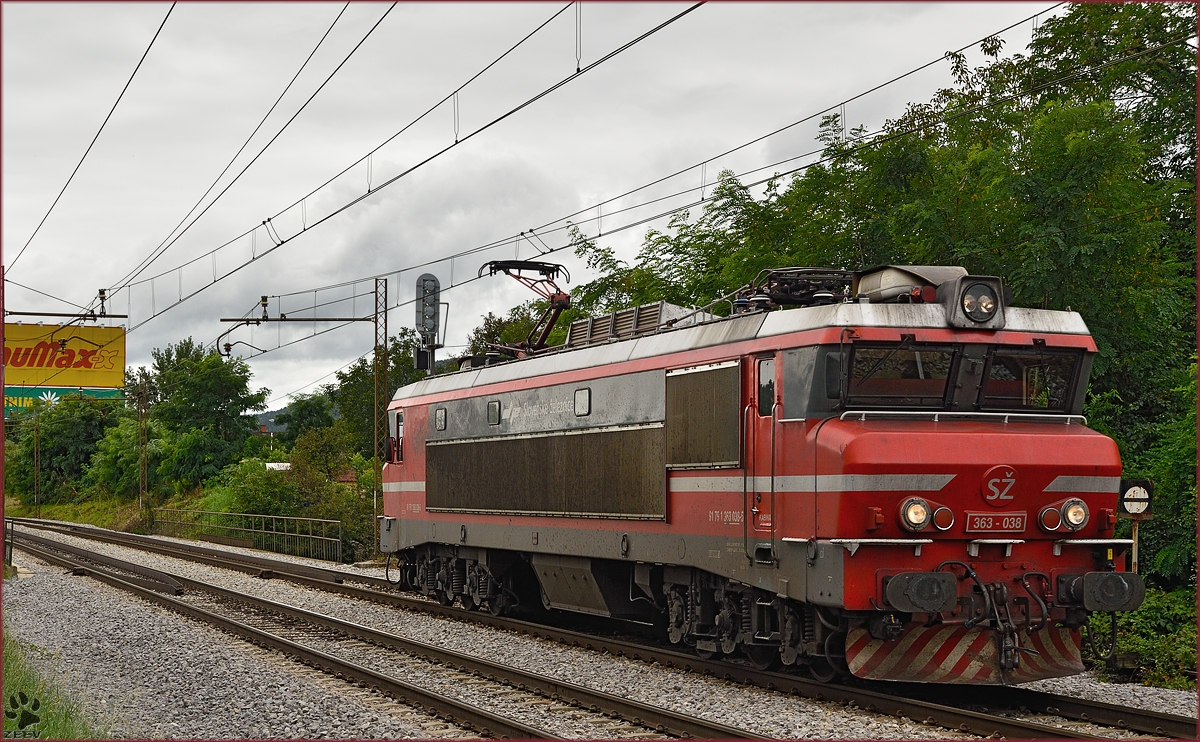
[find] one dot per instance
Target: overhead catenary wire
(156, 313)
(163, 248)
(93, 142)
(154, 254)
(702, 163)
(302, 201)
(125, 282)
(43, 293)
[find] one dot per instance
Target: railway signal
(428, 305)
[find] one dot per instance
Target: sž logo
(999, 484)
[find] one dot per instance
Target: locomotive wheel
(705, 654)
(821, 670)
(444, 597)
(763, 657)
(469, 602)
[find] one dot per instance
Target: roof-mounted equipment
(544, 287)
(970, 302)
(793, 287)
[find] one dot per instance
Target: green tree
(65, 435)
(321, 454)
(354, 396)
(114, 465)
(199, 390)
(194, 455)
(306, 411)
(257, 489)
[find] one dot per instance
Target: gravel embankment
(762, 711)
(145, 672)
(1164, 700)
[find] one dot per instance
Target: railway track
(295, 631)
(908, 701)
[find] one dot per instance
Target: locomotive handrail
(745, 474)
(974, 544)
(852, 544)
(862, 415)
(774, 519)
(1090, 542)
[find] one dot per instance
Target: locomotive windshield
(900, 375)
(1028, 379)
(908, 375)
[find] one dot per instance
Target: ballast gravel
(761, 711)
(145, 672)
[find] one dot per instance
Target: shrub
(1163, 632)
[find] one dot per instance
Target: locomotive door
(760, 459)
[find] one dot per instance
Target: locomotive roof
(731, 330)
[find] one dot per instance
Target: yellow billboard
(63, 356)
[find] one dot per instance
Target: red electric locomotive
(881, 473)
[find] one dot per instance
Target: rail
(315, 538)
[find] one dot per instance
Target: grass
(119, 515)
(59, 714)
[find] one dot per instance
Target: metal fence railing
(306, 537)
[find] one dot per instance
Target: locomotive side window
(1024, 379)
(583, 402)
(799, 365)
(494, 412)
(395, 435)
(900, 375)
(439, 418)
(766, 386)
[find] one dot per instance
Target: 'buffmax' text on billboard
(64, 355)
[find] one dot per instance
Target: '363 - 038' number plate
(995, 522)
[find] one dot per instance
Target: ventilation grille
(622, 324)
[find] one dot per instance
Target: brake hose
(1112, 638)
(987, 599)
(1045, 617)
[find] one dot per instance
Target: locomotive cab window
(439, 418)
(766, 386)
(395, 435)
(1029, 379)
(899, 375)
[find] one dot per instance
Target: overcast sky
(717, 78)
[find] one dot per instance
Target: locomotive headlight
(979, 302)
(1074, 514)
(914, 513)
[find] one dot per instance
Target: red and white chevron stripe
(950, 653)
